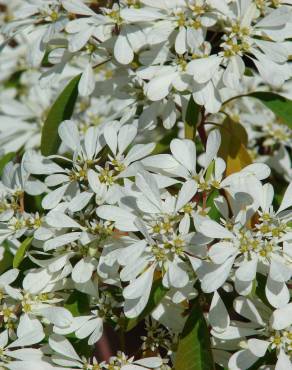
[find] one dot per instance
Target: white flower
(167, 244)
(22, 119)
(67, 356)
(130, 37)
(273, 330)
(264, 248)
(40, 11)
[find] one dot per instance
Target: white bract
(265, 248)
(145, 184)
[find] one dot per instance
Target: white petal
(126, 135)
(282, 317)
(52, 199)
(247, 270)
(139, 151)
(93, 180)
(111, 137)
(218, 315)
(80, 39)
(279, 271)
(258, 347)
(149, 362)
(87, 81)
(131, 271)
(35, 281)
(277, 17)
(36, 164)
(219, 252)
(177, 277)
(79, 201)
(284, 361)
(267, 197)
(247, 309)
(147, 185)
(62, 346)
(131, 253)
(212, 146)
(123, 51)
(61, 240)
(136, 288)
(277, 293)
(180, 41)
(69, 134)
(184, 151)
(212, 229)
(8, 277)
(215, 275)
(185, 194)
(29, 332)
(3, 338)
(83, 270)
(77, 7)
(59, 220)
(260, 170)
(124, 219)
(203, 69)
(96, 335)
(242, 360)
(287, 199)
(160, 85)
(87, 327)
(58, 316)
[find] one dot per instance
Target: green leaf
(78, 303)
(281, 106)
(214, 214)
(5, 159)
(162, 145)
(191, 119)
(194, 349)
(61, 110)
(158, 291)
(20, 254)
(7, 260)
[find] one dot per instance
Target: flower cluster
(145, 184)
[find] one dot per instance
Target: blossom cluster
(146, 181)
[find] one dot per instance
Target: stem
(104, 348)
(233, 98)
(122, 341)
(21, 203)
(201, 127)
(102, 63)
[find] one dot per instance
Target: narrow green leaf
(7, 260)
(191, 119)
(194, 349)
(158, 291)
(61, 110)
(20, 254)
(281, 106)
(5, 159)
